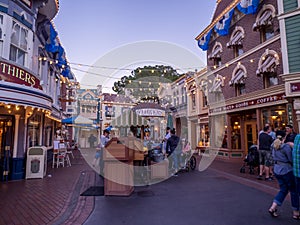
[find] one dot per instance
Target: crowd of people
(279, 156)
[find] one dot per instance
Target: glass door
(250, 134)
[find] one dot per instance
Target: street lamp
(99, 116)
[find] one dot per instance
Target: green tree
(143, 83)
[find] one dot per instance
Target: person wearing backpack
(283, 169)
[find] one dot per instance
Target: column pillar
(16, 136)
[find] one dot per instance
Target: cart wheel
(192, 163)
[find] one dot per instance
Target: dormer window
(264, 22)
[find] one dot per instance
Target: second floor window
(240, 89)
(18, 46)
(270, 79)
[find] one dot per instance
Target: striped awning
(264, 20)
(236, 39)
(269, 65)
(238, 78)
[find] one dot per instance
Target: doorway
(250, 134)
(6, 145)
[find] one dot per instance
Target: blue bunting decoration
(248, 6)
(204, 41)
(222, 27)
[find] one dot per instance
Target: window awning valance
(264, 20)
(269, 65)
(216, 53)
(217, 83)
(236, 39)
(238, 78)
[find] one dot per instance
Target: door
(6, 142)
(250, 134)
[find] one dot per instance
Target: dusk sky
(90, 29)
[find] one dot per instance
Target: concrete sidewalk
(56, 198)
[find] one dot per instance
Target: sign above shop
(150, 112)
(245, 104)
(15, 74)
(295, 87)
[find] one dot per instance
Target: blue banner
(222, 27)
(204, 41)
(248, 6)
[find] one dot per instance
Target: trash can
(36, 165)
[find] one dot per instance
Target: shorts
(265, 157)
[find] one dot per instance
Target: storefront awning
(78, 120)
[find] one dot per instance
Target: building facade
(33, 78)
(244, 68)
(289, 17)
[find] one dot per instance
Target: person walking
(290, 135)
(104, 139)
(173, 149)
(265, 156)
(283, 169)
(296, 162)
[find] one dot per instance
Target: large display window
(275, 116)
(34, 129)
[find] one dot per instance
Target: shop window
(235, 133)
(18, 47)
(34, 126)
(48, 139)
(204, 136)
(276, 117)
(218, 128)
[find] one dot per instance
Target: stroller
(251, 160)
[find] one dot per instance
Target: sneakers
(268, 179)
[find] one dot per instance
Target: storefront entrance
(250, 134)
(6, 145)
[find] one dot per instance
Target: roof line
(213, 23)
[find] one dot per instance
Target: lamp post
(99, 116)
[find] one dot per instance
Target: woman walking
(282, 156)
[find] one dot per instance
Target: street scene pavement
(219, 195)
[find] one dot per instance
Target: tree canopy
(143, 83)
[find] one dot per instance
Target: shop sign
(150, 112)
(240, 105)
(15, 74)
(295, 87)
(27, 2)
